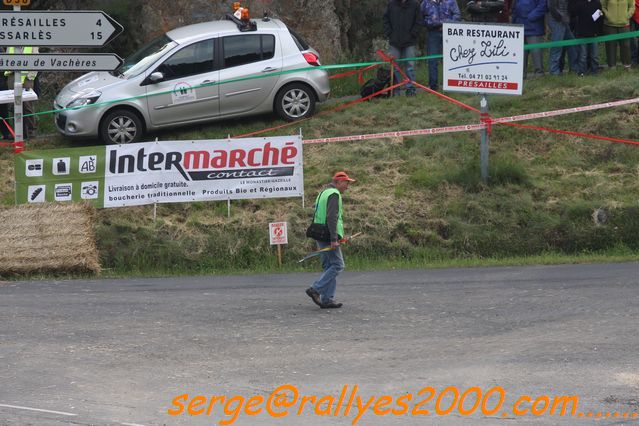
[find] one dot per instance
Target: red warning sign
(278, 233)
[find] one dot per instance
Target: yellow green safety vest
(25, 50)
(321, 207)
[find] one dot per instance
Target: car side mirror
(156, 77)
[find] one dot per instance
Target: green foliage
(501, 171)
(366, 26)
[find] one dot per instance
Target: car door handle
(208, 82)
(269, 69)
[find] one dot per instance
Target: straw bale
(50, 238)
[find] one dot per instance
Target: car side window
(246, 49)
(192, 60)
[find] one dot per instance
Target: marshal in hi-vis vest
(321, 207)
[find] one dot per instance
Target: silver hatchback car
(203, 72)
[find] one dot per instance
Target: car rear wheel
(121, 126)
(295, 102)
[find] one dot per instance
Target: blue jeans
(333, 264)
(409, 66)
(434, 47)
(538, 61)
(588, 58)
(561, 31)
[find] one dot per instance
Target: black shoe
(313, 294)
(410, 92)
(331, 305)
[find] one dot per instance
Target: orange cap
(339, 176)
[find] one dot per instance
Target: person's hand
(334, 245)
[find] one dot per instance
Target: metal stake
(485, 141)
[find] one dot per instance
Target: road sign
(61, 28)
(61, 62)
(483, 58)
(16, 2)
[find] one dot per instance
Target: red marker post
(279, 235)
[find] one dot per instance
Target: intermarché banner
(163, 172)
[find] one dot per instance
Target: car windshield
(143, 58)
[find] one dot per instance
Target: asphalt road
(119, 351)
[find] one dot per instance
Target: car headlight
(85, 100)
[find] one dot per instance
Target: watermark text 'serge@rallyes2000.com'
(286, 400)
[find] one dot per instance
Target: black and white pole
(485, 141)
(18, 123)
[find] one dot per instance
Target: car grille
(61, 121)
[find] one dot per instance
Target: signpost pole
(279, 255)
(485, 140)
(18, 124)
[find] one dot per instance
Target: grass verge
(419, 200)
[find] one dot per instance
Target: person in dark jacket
(581, 13)
(435, 13)
(328, 211)
(559, 23)
(531, 14)
(401, 26)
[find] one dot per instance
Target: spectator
(401, 25)
(488, 10)
(559, 23)
(531, 14)
(29, 80)
(617, 14)
(4, 108)
(435, 13)
(582, 13)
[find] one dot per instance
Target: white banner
(483, 58)
(208, 170)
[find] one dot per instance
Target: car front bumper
(80, 123)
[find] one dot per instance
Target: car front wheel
(295, 102)
(121, 126)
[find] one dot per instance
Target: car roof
(224, 27)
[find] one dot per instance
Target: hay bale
(51, 238)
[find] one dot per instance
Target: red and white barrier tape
(433, 131)
(564, 111)
(488, 123)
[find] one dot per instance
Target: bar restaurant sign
(483, 58)
(163, 172)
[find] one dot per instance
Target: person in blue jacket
(531, 14)
(434, 14)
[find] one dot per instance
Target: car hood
(85, 85)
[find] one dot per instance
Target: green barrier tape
(545, 45)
